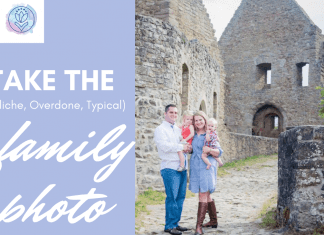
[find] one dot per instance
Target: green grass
(268, 221)
(266, 206)
(151, 197)
(268, 213)
(189, 194)
(249, 161)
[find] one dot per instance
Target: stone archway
(202, 107)
(267, 121)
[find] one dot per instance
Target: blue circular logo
(21, 19)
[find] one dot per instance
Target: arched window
(202, 107)
(215, 105)
(185, 88)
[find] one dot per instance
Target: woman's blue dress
(201, 179)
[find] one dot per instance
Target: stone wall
(240, 146)
(274, 35)
(168, 65)
(189, 16)
(300, 178)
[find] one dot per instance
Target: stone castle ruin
(178, 60)
(182, 67)
(273, 39)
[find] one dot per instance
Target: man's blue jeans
(175, 184)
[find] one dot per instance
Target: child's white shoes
(180, 168)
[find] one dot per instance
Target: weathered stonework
(189, 16)
(240, 146)
(276, 35)
(300, 178)
(169, 69)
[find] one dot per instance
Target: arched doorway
(267, 122)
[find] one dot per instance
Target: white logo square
(36, 35)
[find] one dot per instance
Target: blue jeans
(175, 184)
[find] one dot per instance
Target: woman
(203, 181)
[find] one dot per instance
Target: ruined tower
(267, 49)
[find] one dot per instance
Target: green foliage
(319, 231)
(268, 213)
(269, 221)
(321, 105)
(266, 207)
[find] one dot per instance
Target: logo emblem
(21, 19)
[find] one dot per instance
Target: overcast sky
(221, 12)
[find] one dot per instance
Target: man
(167, 137)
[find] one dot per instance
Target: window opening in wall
(276, 122)
(305, 73)
(215, 105)
(269, 76)
(302, 74)
(271, 122)
(185, 88)
(202, 107)
(264, 72)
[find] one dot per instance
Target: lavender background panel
(80, 35)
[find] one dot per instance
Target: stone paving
(239, 198)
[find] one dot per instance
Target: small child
(211, 138)
(187, 132)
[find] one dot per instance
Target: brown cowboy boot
(202, 209)
(212, 215)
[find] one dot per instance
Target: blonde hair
(213, 120)
(187, 113)
(201, 114)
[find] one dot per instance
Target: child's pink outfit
(185, 133)
(213, 140)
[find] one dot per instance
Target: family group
(196, 135)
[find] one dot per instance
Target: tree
(321, 105)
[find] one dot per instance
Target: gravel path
(239, 198)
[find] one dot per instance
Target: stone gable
(274, 37)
